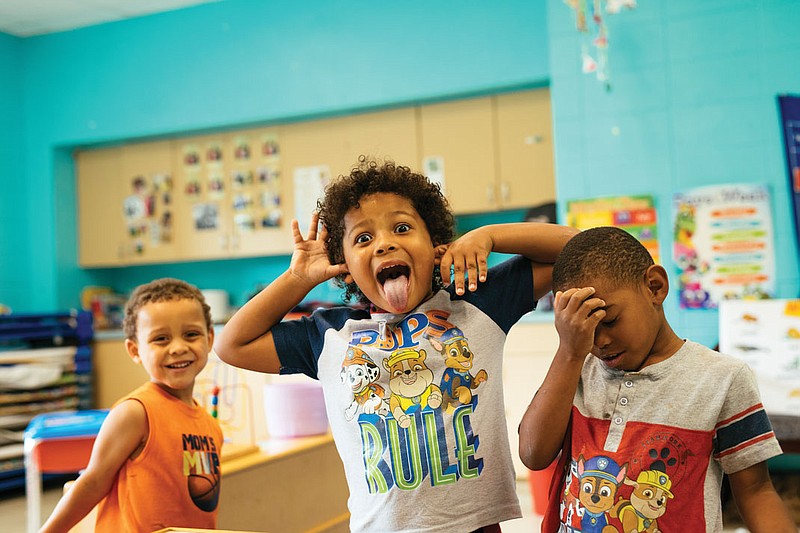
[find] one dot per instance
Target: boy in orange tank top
(155, 462)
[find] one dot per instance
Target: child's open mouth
(395, 282)
(612, 360)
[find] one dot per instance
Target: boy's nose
(601, 340)
(385, 244)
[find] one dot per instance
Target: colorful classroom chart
(634, 214)
(723, 244)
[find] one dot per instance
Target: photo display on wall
(240, 188)
(148, 211)
(723, 244)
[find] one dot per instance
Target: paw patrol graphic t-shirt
(648, 449)
(175, 481)
(415, 403)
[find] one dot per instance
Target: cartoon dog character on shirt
(457, 383)
(600, 477)
(360, 374)
(411, 384)
(648, 502)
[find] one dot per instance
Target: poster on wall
(634, 214)
(723, 244)
(790, 120)
(765, 334)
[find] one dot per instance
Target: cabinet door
(461, 134)
(313, 153)
(202, 189)
(101, 231)
(149, 202)
(524, 149)
(260, 224)
(385, 135)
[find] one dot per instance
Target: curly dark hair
(607, 253)
(370, 177)
(160, 290)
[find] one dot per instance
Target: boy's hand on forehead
(577, 314)
(466, 257)
(310, 257)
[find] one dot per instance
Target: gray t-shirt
(649, 448)
(415, 404)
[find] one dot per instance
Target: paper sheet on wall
(765, 334)
(433, 169)
(309, 186)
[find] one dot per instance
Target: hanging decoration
(594, 51)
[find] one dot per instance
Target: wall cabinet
(234, 194)
(101, 230)
(494, 152)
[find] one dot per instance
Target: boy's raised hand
(467, 256)
(310, 261)
(577, 314)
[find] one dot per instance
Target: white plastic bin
(294, 409)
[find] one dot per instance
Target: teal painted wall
(232, 64)
(14, 248)
(694, 88)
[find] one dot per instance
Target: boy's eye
(402, 228)
(363, 238)
(609, 323)
(193, 334)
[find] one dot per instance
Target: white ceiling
(24, 18)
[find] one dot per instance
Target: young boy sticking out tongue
(413, 376)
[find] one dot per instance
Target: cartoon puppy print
(360, 374)
(600, 477)
(457, 383)
(411, 384)
(648, 502)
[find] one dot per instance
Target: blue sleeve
(299, 343)
(507, 293)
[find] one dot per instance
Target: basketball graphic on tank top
(204, 490)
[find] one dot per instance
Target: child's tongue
(396, 291)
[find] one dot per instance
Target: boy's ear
(133, 350)
(657, 283)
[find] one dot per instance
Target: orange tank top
(175, 481)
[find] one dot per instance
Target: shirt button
(618, 420)
(629, 383)
(623, 401)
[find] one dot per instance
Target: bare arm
(544, 425)
(246, 340)
(540, 243)
(123, 432)
(759, 504)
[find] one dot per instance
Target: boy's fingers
(312, 227)
(444, 268)
(296, 235)
(483, 268)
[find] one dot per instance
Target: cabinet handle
(534, 139)
(505, 191)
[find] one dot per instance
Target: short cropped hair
(160, 290)
(607, 253)
(371, 177)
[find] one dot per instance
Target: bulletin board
(790, 124)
